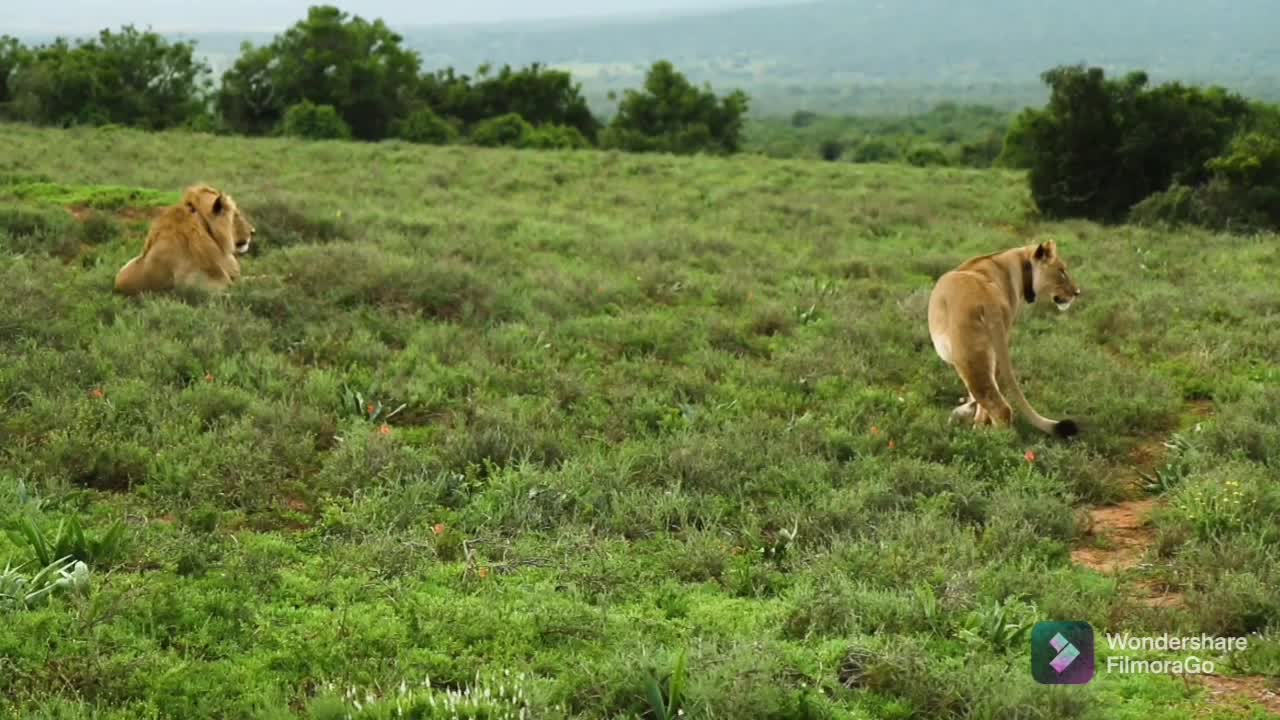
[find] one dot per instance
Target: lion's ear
(1046, 250)
(218, 205)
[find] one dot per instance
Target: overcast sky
(78, 16)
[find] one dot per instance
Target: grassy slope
(623, 379)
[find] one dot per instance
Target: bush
(508, 130)
(1173, 207)
(1245, 189)
(424, 126)
(927, 156)
(875, 151)
(315, 122)
(803, 119)
(127, 78)
(831, 150)
(537, 94)
(1101, 146)
(1243, 192)
(983, 153)
(555, 137)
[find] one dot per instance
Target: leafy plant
(1002, 626)
(70, 540)
(19, 591)
(1179, 464)
(372, 410)
(666, 696)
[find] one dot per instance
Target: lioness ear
(1046, 251)
(218, 205)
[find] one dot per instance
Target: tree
(12, 54)
(537, 94)
(1101, 146)
(127, 77)
(671, 115)
(360, 68)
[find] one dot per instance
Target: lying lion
(191, 245)
(971, 315)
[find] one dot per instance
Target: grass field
(576, 428)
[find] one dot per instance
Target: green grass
(629, 438)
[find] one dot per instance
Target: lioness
(971, 314)
(192, 244)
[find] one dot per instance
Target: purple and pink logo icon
(1062, 653)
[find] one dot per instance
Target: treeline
(1120, 149)
(947, 135)
(333, 75)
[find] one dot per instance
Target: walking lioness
(971, 314)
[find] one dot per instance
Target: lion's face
(1052, 279)
(223, 217)
(242, 231)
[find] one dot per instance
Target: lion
(193, 244)
(971, 314)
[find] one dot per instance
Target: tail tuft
(1066, 429)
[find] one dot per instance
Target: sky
(79, 16)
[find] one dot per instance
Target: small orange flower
(97, 394)
(875, 430)
(484, 572)
(384, 430)
(438, 529)
(892, 444)
(1030, 456)
(208, 378)
(370, 409)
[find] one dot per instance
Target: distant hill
(992, 48)
(879, 55)
(936, 41)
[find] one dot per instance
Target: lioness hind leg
(990, 406)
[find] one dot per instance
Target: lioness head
(226, 222)
(1051, 278)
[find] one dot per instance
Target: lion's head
(1051, 278)
(222, 216)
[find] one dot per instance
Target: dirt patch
(1241, 694)
(1119, 537)
(1157, 595)
(1201, 408)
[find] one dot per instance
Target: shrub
(425, 126)
(1101, 146)
(315, 122)
(508, 130)
(127, 77)
(556, 137)
(1243, 192)
(831, 150)
(803, 119)
(927, 156)
(875, 150)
